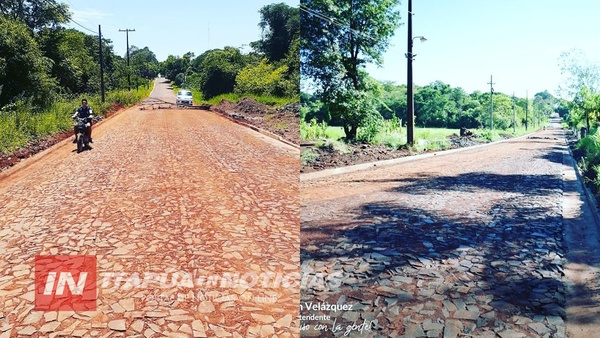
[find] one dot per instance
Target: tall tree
(218, 69)
(578, 72)
(144, 62)
(280, 26)
(23, 69)
(36, 14)
(338, 39)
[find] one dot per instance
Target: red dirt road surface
(193, 219)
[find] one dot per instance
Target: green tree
(261, 79)
(143, 62)
(290, 86)
(280, 26)
(338, 40)
(585, 108)
(36, 14)
(578, 72)
(434, 106)
(24, 72)
(218, 69)
(73, 62)
(393, 101)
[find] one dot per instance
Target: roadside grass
(393, 136)
(589, 164)
(20, 123)
(264, 99)
(233, 97)
(308, 156)
(334, 146)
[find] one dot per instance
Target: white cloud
(89, 15)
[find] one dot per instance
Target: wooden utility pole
(526, 109)
(101, 63)
(491, 103)
(514, 115)
(127, 30)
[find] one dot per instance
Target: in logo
(65, 283)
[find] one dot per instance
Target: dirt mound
(283, 121)
(327, 157)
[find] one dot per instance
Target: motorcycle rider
(83, 112)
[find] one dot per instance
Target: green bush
(590, 164)
(391, 139)
(370, 127)
(490, 135)
(261, 79)
(308, 156)
(312, 130)
(334, 146)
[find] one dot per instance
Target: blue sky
(173, 27)
(516, 41)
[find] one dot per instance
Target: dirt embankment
(326, 157)
(282, 121)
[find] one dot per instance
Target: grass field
(395, 136)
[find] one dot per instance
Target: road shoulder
(582, 261)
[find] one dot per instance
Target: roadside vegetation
(340, 102)
(582, 113)
(46, 69)
(269, 73)
(20, 126)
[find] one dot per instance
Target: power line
(73, 7)
(82, 26)
(336, 22)
(71, 19)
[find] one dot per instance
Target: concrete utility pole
(491, 103)
(410, 104)
(127, 30)
(101, 63)
(514, 114)
(410, 98)
(526, 109)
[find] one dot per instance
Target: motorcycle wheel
(79, 143)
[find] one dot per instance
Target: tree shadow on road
(471, 182)
(510, 259)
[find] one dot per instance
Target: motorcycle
(82, 124)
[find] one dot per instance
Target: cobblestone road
(181, 193)
(467, 244)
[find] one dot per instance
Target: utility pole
(526, 109)
(491, 103)
(514, 115)
(410, 103)
(127, 30)
(101, 63)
